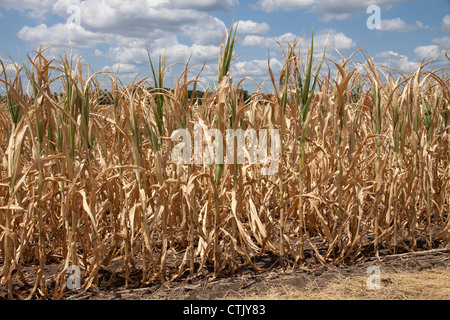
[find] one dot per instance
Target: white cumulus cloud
(336, 40)
(398, 25)
(258, 68)
(430, 51)
(181, 28)
(284, 5)
(443, 42)
(331, 37)
(59, 35)
(446, 23)
(396, 60)
(252, 27)
(30, 8)
(343, 9)
(206, 5)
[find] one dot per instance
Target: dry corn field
(364, 168)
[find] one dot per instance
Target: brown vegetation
(364, 164)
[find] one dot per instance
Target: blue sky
(114, 33)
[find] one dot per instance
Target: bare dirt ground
(422, 275)
(402, 277)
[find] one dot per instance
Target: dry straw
(86, 178)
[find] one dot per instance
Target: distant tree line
(106, 97)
